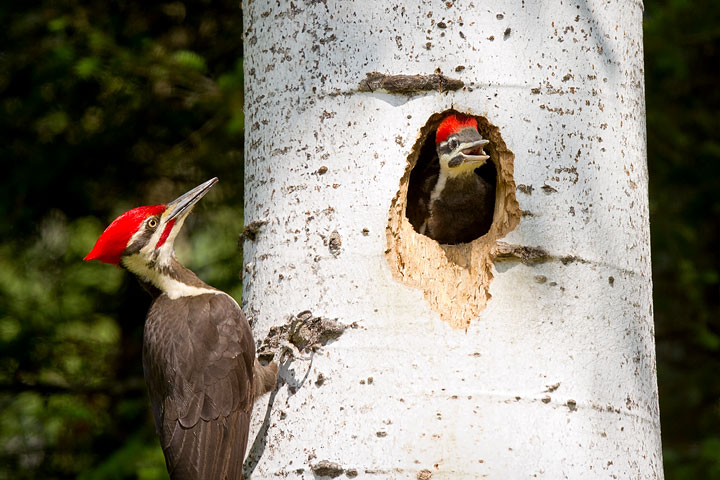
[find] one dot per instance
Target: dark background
(108, 105)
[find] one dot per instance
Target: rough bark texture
(555, 376)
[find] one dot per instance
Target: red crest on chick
(453, 124)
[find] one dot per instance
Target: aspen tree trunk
(528, 353)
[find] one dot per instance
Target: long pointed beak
(185, 202)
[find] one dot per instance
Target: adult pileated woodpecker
(454, 204)
(198, 350)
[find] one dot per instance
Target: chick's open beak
(473, 152)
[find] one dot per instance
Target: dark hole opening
(461, 211)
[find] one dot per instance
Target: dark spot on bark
(611, 281)
(325, 115)
(250, 231)
(322, 170)
(568, 259)
(526, 189)
(325, 468)
(572, 405)
(334, 243)
(506, 33)
(320, 380)
(548, 189)
(424, 474)
(546, 399)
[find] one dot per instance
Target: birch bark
(554, 375)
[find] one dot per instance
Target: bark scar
(325, 468)
(251, 231)
(409, 84)
(526, 254)
(305, 331)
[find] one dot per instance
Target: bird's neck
(448, 175)
(173, 279)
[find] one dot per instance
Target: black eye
(453, 143)
(152, 222)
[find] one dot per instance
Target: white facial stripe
(150, 245)
(136, 236)
(172, 288)
(439, 185)
(162, 255)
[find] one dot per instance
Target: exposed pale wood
(455, 279)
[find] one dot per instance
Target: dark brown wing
(198, 356)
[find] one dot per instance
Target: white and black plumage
(450, 200)
(198, 350)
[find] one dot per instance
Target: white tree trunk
(549, 375)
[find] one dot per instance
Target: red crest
(453, 124)
(114, 239)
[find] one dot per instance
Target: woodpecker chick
(198, 350)
(455, 204)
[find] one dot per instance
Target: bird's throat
(174, 280)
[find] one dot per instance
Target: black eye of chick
(152, 223)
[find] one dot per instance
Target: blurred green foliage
(682, 59)
(105, 106)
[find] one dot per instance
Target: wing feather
(198, 355)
